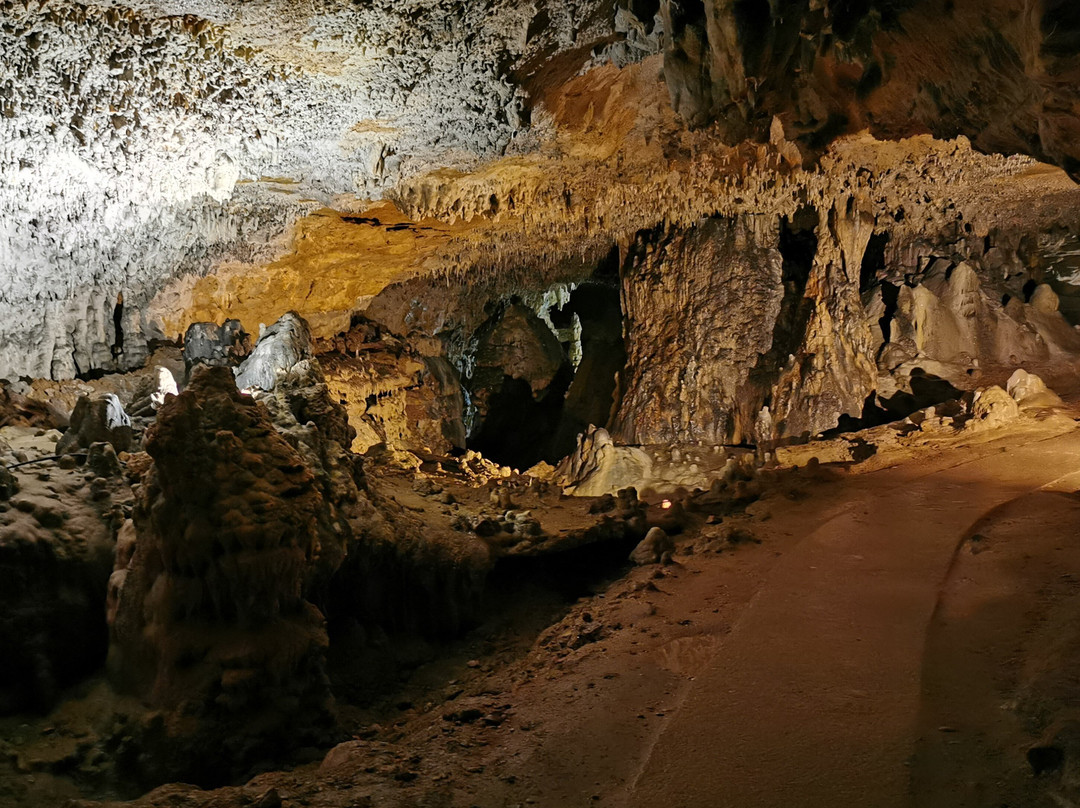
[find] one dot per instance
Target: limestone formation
(56, 547)
(736, 316)
(394, 393)
(178, 134)
(599, 467)
(211, 627)
(280, 346)
(652, 548)
(212, 344)
(1031, 392)
(99, 420)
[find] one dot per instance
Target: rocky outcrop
(746, 329)
(98, 420)
(213, 344)
(17, 409)
(280, 346)
(830, 372)
(597, 466)
(952, 323)
(700, 310)
(394, 393)
(211, 628)
(57, 529)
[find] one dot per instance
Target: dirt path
(813, 698)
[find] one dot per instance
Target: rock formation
(280, 346)
(57, 534)
(211, 627)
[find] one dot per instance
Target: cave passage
(521, 425)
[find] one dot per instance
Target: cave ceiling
(213, 159)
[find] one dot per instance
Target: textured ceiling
(141, 142)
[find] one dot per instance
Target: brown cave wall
(735, 315)
(700, 308)
(1003, 73)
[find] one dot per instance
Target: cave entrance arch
(542, 377)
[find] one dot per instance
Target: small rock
(994, 407)
(652, 548)
(270, 799)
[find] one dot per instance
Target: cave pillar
(699, 308)
(833, 372)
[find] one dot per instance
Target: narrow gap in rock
(753, 19)
(890, 296)
(873, 261)
(798, 246)
(118, 327)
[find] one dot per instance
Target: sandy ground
(899, 637)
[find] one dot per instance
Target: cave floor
(868, 651)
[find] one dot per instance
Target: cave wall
(143, 140)
(747, 329)
(699, 311)
(1001, 72)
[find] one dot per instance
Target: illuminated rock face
(142, 140)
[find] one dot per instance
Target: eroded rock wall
(747, 330)
(700, 309)
(1001, 72)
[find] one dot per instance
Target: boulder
(1044, 299)
(652, 548)
(993, 407)
(1031, 392)
(280, 346)
(99, 420)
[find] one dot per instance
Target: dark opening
(873, 261)
(519, 425)
(591, 397)
(118, 326)
(646, 11)
(753, 19)
(798, 247)
(538, 25)
(1060, 26)
(835, 125)
(847, 14)
(870, 81)
(687, 12)
(890, 296)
